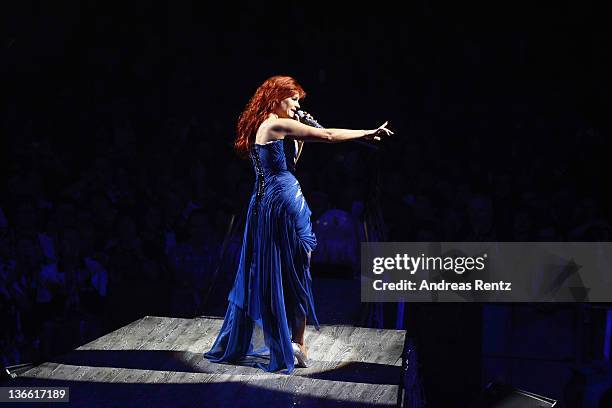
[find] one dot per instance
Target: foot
(299, 351)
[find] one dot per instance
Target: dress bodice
(274, 157)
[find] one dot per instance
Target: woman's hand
(378, 133)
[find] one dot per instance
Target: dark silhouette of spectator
(192, 264)
(480, 216)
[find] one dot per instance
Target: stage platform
(157, 362)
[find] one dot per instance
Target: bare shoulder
(269, 131)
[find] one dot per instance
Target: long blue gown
(272, 289)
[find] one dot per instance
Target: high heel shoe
(299, 354)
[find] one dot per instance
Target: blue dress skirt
(272, 290)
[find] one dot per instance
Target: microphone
(307, 118)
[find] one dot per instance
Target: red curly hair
(262, 103)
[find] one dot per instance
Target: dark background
(118, 122)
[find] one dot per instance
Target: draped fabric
(272, 289)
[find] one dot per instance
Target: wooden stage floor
(157, 362)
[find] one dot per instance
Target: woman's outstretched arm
(279, 128)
